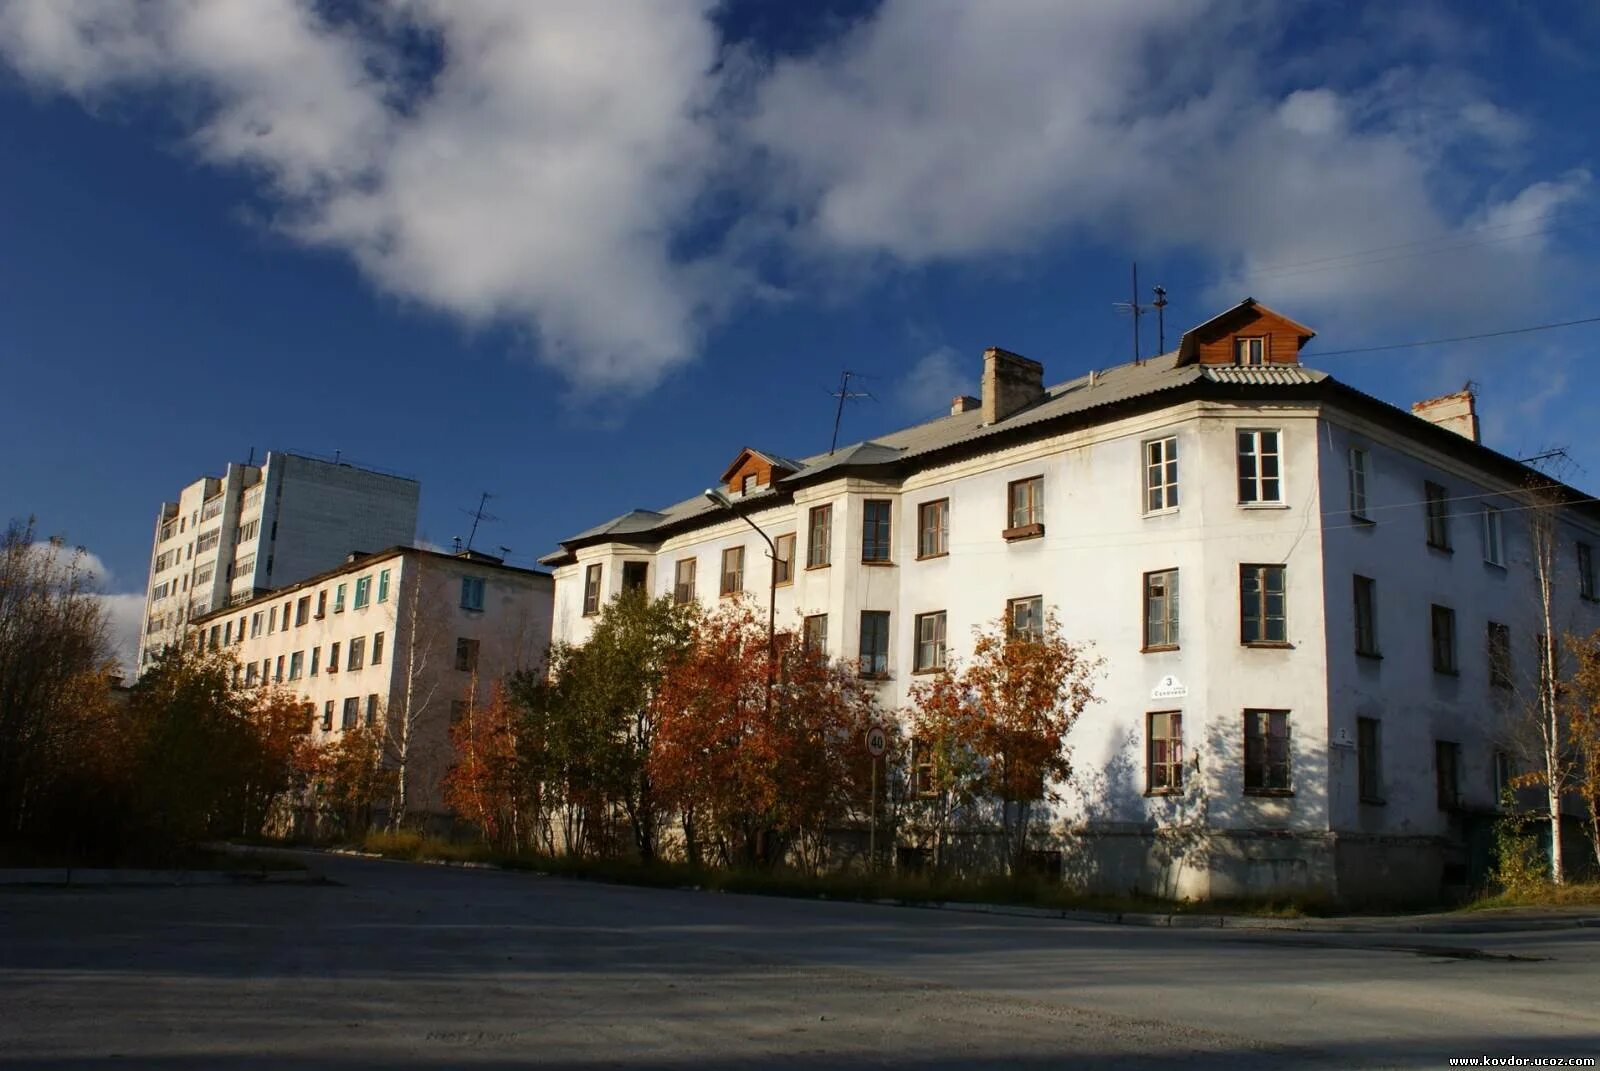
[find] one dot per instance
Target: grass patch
(1572, 894)
(900, 888)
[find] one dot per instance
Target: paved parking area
(402, 965)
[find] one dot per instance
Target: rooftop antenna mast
(1160, 305)
(478, 516)
(844, 394)
(1134, 309)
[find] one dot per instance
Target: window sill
(784, 583)
(931, 557)
(1154, 793)
(1371, 655)
(1441, 548)
(1263, 505)
(1447, 672)
(1165, 511)
(1589, 598)
(1158, 648)
(1360, 521)
(1374, 801)
(1023, 531)
(820, 565)
(730, 594)
(1270, 645)
(875, 677)
(929, 672)
(1270, 793)
(1495, 565)
(877, 563)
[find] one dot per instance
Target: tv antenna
(1160, 305)
(844, 394)
(478, 516)
(1132, 308)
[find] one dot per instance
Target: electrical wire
(1316, 355)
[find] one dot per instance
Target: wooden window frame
(1262, 767)
(593, 577)
(1256, 480)
(467, 649)
(1261, 571)
(878, 650)
(938, 546)
(882, 531)
(1364, 604)
(1442, 641)
(810, 642)
(1027, 523)
(1161, 475)
(1169, 619)
(819, 551)
(1163, 755)
(1494, 537)
(783, 564)
(632, 565)
(350, 716)
(683, 587)
(1241, 351)
(1497, 654)
(1032, 635)
(724, 588)
(1358, 476)
(1436, 506)
(937, 645)
(1369, 760)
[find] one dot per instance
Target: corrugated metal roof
(1267, 375)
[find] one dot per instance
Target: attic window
(1250, 351)
(748, 484)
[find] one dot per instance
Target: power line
(1318, 355)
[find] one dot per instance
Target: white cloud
(124, 619)
(933, 382)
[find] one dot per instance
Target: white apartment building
(258, 527)
(1315, 610)
(405, 635)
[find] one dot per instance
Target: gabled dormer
(1249, 334)
(754, 470)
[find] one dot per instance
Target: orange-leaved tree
(997, 724)
(485, 785)
(757, 754)
(1583, 727)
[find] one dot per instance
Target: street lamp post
(719, 498)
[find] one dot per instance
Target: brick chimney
(1456, 412)
(1011, 382)
(963, 403)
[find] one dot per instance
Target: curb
(83, 877)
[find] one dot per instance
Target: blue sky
(579, 255)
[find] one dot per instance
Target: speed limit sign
(877, 741)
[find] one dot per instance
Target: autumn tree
(487, 784)
(1583, 728)
(997, 724)
(350, 777)
(756, 754)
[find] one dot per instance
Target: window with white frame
(732, 571)
(683, 581)
(591, 590)
(1358, 484)
(1250, 350)
(1164, 752)
(930, 654)
(1161, 474)
(1493, 542)
(1263, 613)
(1025, 618)
(1260, 467)
(1161, 609)
(471, 593)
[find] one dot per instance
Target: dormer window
(1250, 350)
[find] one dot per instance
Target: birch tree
(422, 629)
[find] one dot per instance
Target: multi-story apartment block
(259, 527)
(400, 641)
(1315, 610)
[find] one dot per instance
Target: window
(1493, 545)
(933, 528)
(1250, 351)
(1438, 513)
(383, 586)
(635, 576)
(227, 634)
(247, 531)
(322, 605)
(1586, 570)
(875, 530)
(327, 716)
(302, 611)
(250, 672)
(204, 574)
(1444, 639)
(1499, 655)
(377, 648)
(297, 663)
(1025, 508)
(466, 654)
(1505, 771)
(316, 660)
(819, 537)
(814, 634)
(1266, 752)
(1161, 474)
(1260, 479)
(930, 642)
(338, 599)
(364, 591)
(874, 643)
(243, 567)
(1161, 609)
(591, 590)
(1447, 773)
(277, 675)
(1262, 610)
(783, 564)
(352, 713)
(1025, 619)
(683, 581)
(333, 658)
(1369, 776)
(732, 571)
(208, 541)
(372, 710)
(1358, 484)
(358, 653)
(924, 767)
(748, 484)
(1366, 595)
(1164, 753)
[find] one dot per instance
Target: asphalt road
(413, 966)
